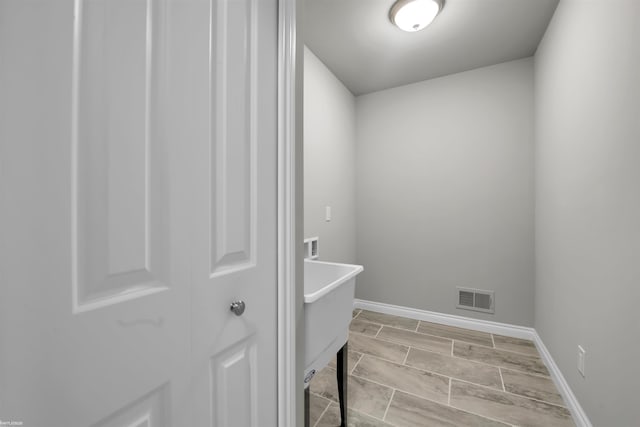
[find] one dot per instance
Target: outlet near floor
(581, 359)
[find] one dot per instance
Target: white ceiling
(356, 40)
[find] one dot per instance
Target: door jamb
(290, 265)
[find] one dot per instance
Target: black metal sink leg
(343, 374)
(307, 405)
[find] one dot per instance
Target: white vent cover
(475, 299)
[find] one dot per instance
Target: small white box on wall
(311, 248)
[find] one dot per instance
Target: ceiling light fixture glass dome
(414, 15)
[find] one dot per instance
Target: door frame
(290, 217)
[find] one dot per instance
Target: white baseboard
(515, 331)
(578, 414)
(449, 319)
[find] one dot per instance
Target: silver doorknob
(237, 307)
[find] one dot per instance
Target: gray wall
(587, 76)
(329, 161)
(445, 191)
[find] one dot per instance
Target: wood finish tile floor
(408, 373)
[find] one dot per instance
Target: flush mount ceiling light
(414, 15)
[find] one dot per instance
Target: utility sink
(328, 306)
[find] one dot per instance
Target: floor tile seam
(445, 375)
(319, 395)
(376, 338)
(498, 420)
(509, 423)
(448, 338)
(423, 398)
(421, 333)
(511, 369)
(391, 341)
(357, 410)
(328, 398)
(359, 311)
(411, 346)
(451, 377)
(477, 361)
(366, 321)
(384, 416)
(519, 353)
(449, 394)
(354, 410)
(445, 405)
(410, 367)
(496, 348)
(428, 371)
(406, 356)
(374, 382)
(445, 326)
(410, 329)
(533, 374)
(477, 344)
(324, 397)
(387, 341)
(483, 364)
(515, 394)
(379, 329)
(362, 334)
(381, 358)
(417, 396)
(386, 324)
(323, 412)
(371, 416)
(451, 338)
(530, 356)
(398, 327)
(460, 329)
(356, 364)
(502, 380)
(473, 361)
(394, 389)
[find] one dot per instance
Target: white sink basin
(328, 305)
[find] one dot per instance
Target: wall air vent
(475, 299)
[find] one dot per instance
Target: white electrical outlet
(582, 355)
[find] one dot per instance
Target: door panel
(235, 239)
(148, 411)
(120, 200)
(95, 263)
(138, 190)
(234, 377)
(233, 138)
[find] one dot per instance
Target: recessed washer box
(311, 248)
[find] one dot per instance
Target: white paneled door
(138, 202)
